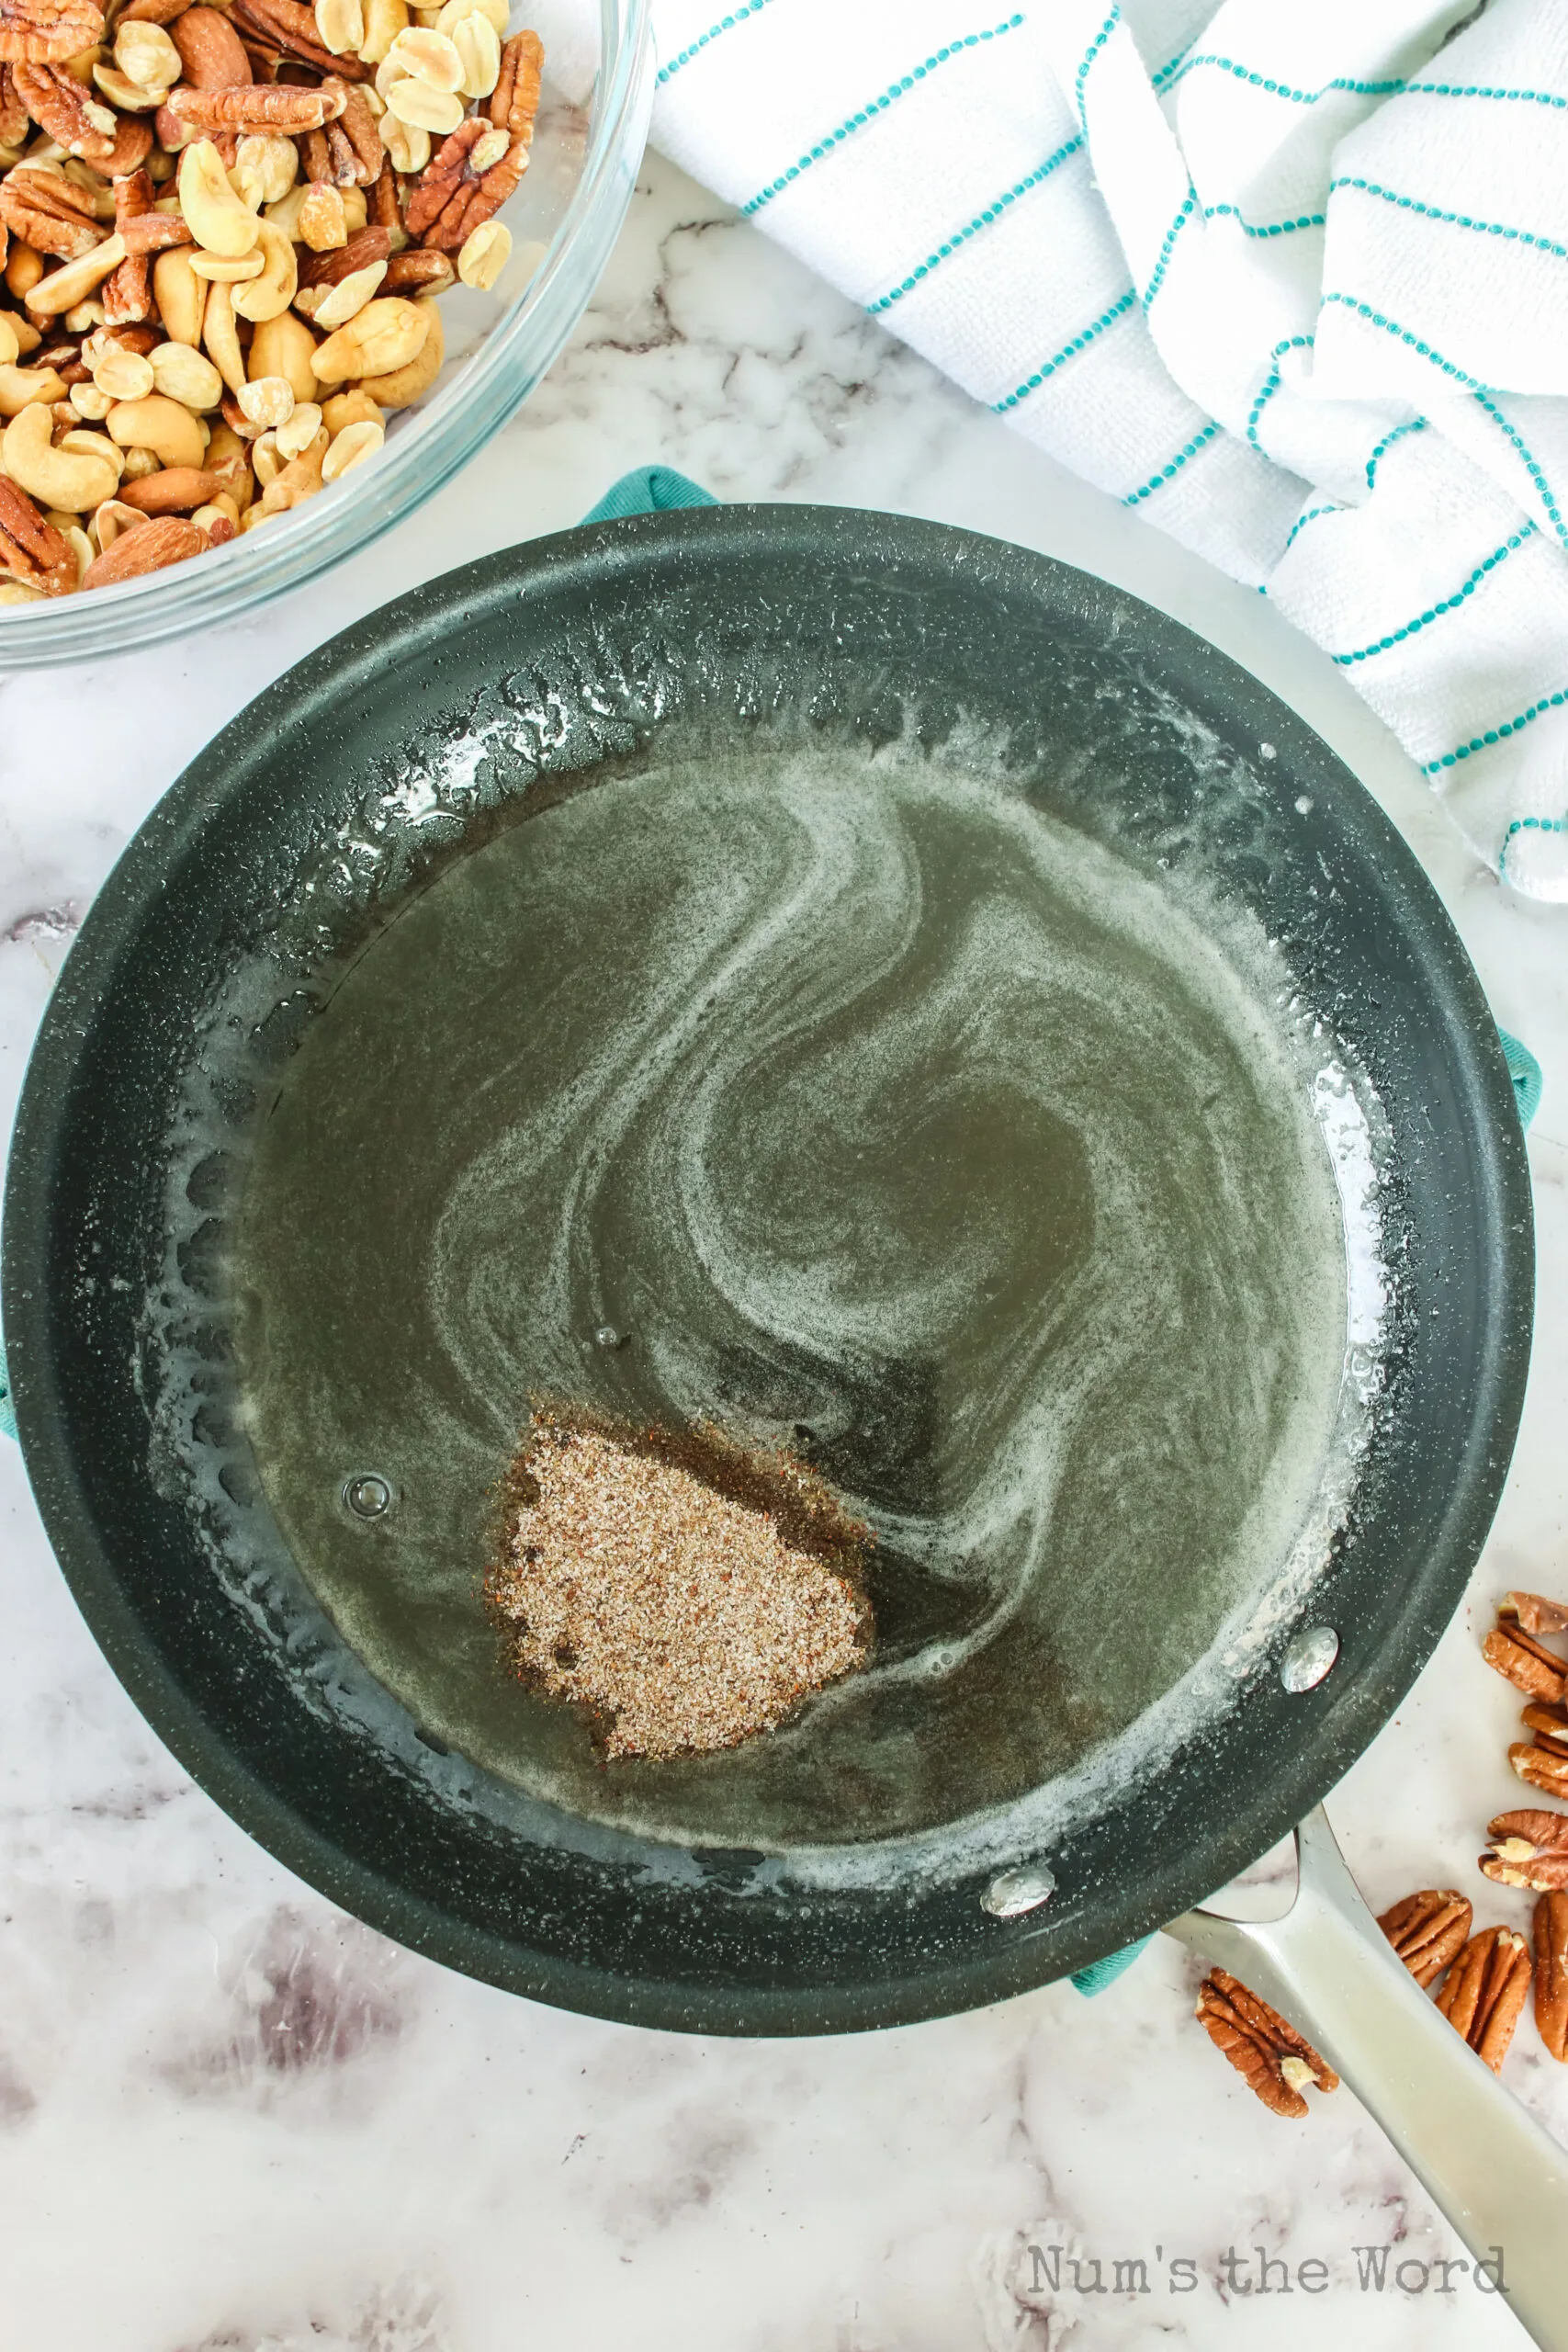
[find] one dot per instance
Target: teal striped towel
(1289, 282)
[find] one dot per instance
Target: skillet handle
(1482, 2159)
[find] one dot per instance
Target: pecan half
(145, 547)
(31, 550)
(514, 101)
(463, 184)
(1549, 1724)
(366, 246)
(253, 106)
(1276, 2060)
(43, 32)
(72, 118)
(1551, 1973)
(15, 122)
(287, 26)
(49, 212)
(1528, 1848)
(210, 50)
(355, 138)
(1427, 1931)
(1485, 1991)
(1543, 1765)
(1521, 1660)
(127, 294)
(1536, 1614)
(421, 270)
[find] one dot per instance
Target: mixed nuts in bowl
(259, 297)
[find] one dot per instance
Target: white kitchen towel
(1291, 282)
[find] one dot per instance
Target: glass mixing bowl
(564, 219)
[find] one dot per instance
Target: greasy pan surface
(315, 815)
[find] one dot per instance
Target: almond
(148, 547)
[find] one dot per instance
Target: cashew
(284, 213)
(269, 295)
(384, 20)
(159, 424)
(20, 592)
(214, 214)
(402, 386)
(379, 340)
(228, 269)
(268, 462)
(10, 342)
(83, 317)
(352, 446)
(349, 408)
(69, 479)
(485, 255)
(422, 109)
(181, 295)
(230, 459)
(222, 337)
(67, 287)
(83, 443)
(284, 346)
(21, 387)
(187, 375)
(355, 211)
(26, 335)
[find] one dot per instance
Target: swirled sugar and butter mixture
(882, 1114)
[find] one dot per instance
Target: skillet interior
(577, 651)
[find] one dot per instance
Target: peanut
(379, 340)
(485, 253)
(266, 401)
(89, 404)
(298, 429)
(351, 448)
(384, 20)
(341, 25)
(228, 269)
(271, 162)
(424, 108)
(495, 12)
(323, 224)
(123, 375)
(477, 44)
(348, 296)
(407, 147)
(187, 375)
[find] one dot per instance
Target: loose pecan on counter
(1528, 1848)
(1276, 2060)
(1428, 1930)
(1487, 1990)
(1551, 1972)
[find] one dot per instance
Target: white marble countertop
(231, 2118)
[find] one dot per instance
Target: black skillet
(610, 638)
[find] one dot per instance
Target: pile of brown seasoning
(687, 1592)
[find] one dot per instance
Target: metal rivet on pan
(367, 1497)
(1309, 1658)
(1014, 1892)
(606, 1336)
